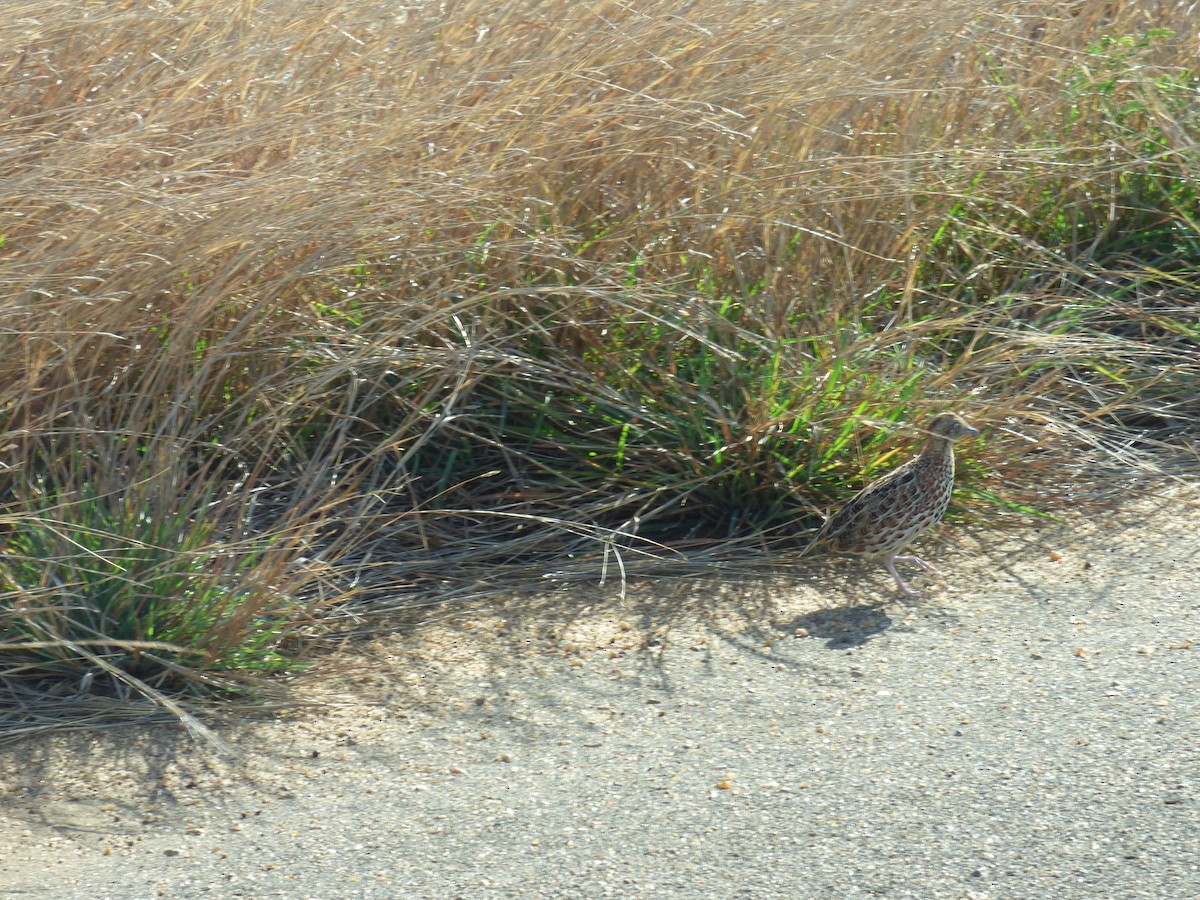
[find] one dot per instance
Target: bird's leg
(904, 588)
(915, 561)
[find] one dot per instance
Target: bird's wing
(867, 502)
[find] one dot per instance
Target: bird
(882, 519)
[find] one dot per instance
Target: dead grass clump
(313, 310)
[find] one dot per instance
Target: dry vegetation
(316, 310)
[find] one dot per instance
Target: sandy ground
(1029, 729)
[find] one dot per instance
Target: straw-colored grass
(316, 310)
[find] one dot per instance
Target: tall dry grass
(365, 307)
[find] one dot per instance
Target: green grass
(292, 345)
(153, 590)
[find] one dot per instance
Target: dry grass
(346, 308)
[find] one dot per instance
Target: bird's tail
(813, 544)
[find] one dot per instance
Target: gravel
(1027, 729)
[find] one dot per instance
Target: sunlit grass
(312, 313)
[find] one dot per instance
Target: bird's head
(951, 427)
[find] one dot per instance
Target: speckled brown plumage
(889, 514)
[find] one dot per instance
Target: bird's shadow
(845, 627)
